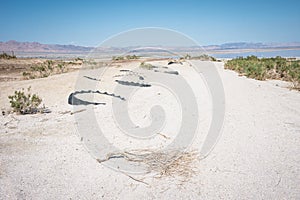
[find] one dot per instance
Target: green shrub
(202, 57)
(25, 103)
(267, 68)
(116, 58)
(146, 66)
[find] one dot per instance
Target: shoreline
(216, 53)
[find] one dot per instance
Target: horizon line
(220, 44)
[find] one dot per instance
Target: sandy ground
(257, 157)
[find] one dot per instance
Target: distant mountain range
(245, 45)
(38, 47)
(57, 48)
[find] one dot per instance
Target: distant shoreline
(52, 51)
(251, 50)
(232, 53)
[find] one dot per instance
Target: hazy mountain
(38, 47)
(57, 48)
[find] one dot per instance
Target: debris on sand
(77, 111)
(91, 78)
(167, 163)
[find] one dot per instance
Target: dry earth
(257, 157)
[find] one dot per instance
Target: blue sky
(88, 23)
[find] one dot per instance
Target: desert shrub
(7, 56)
(146, 66)
(25, 103)
(61, 67)
(78, 59)
(91, 62)
(127, 57)
(267, 68)
(45, 69)
(132, 57)
(294, 73)
(116, 58)
(187, 56)
(212, 58)
(202, 57)
(39, 71)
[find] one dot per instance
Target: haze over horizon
(88, 24)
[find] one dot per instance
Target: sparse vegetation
(78, 59)
(202, 57)
(187, 57)
(7, 56)
(118, 58)
(45, 69)
(146, 66)
(25, 103)
(91, 62)
(132, 57)
(128, 57)
(267, 68)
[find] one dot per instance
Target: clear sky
(88, 23)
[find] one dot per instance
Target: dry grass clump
(168, 163)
